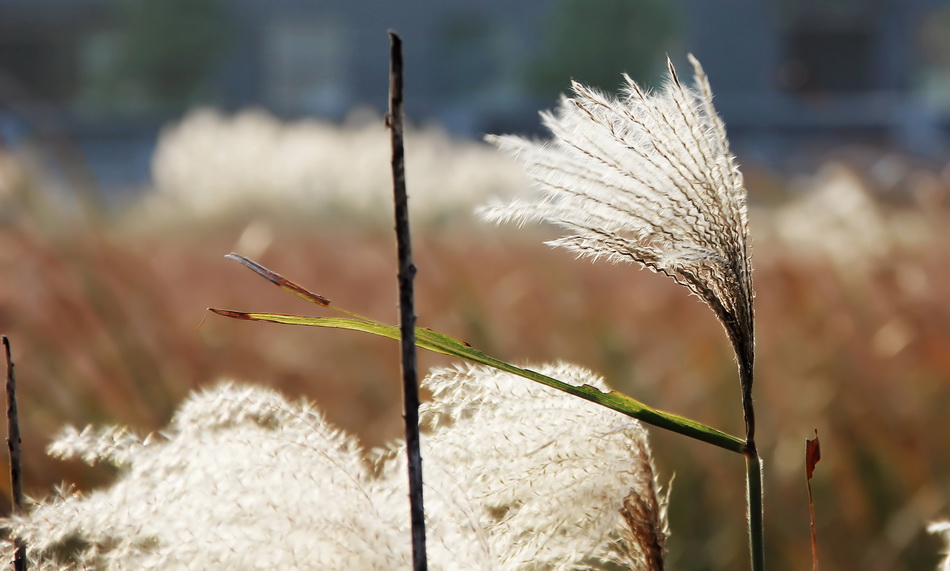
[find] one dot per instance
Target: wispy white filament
(517, 476)
(647, 178)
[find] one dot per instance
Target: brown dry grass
(106, 326)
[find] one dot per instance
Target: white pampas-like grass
(556, 482)
(241, 479)
(646, 178)
(517, 476)
(214, 165)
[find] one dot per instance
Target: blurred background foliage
(140, 144)
(162, 55)
(588, 42)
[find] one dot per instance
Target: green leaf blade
(447, 345)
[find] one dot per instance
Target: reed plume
(648, 178)
(518, 476)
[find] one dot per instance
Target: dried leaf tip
(279, 280)
(647, 177)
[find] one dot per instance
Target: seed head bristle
(648, 178)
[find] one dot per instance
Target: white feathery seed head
(517, 476)
(242, 480)
(548, 477)
(648, 178)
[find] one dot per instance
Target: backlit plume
(646, 178)
(518, 476)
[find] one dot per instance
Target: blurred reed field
(105, 307)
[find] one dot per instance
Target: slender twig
(407, 317)
(13, 445)
(812, 456)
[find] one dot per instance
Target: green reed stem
(756, 521)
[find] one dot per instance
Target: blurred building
(796, 74)
(791, 76)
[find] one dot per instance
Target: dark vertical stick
(812, 456)
(407, 316)
(13, 445)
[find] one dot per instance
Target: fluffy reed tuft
(518, 476)
(647, 178)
